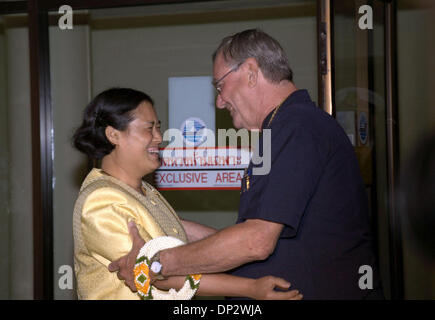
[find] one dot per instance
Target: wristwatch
(156, 266)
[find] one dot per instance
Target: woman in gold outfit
(121, 128)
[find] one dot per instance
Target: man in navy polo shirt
(306, 220)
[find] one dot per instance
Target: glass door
(359, 102)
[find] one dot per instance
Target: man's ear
(112, 135)
(253, 70)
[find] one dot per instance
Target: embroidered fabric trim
(142, 278)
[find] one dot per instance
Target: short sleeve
(295, 172)
(106, 213)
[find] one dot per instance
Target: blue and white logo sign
(193, 131)
(363, 127)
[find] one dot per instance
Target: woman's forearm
(219, 284)
(196, 231)
(175, 282)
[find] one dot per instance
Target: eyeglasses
(217, 82)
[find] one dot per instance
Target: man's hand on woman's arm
(125, 265)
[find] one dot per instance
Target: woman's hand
(264, 289)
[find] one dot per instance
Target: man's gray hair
(255, 43)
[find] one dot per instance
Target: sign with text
(211, 168)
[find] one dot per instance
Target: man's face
(231, 93)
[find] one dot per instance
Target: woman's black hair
(112, 107)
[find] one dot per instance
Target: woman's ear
(112, 135)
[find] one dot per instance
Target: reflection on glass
(360, 107)
(416, 98)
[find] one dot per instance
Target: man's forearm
(222, 251)
(219, 252)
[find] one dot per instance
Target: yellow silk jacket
(104, 207)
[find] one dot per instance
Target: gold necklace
(246, 175)
(273, 114)
(275, 111)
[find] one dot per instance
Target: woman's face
(139, 143)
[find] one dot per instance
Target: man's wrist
(157, 267)
(164, 262)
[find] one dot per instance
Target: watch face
(156, 267)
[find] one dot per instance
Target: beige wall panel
(70, 87)
(4, 174)
(20, 165)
